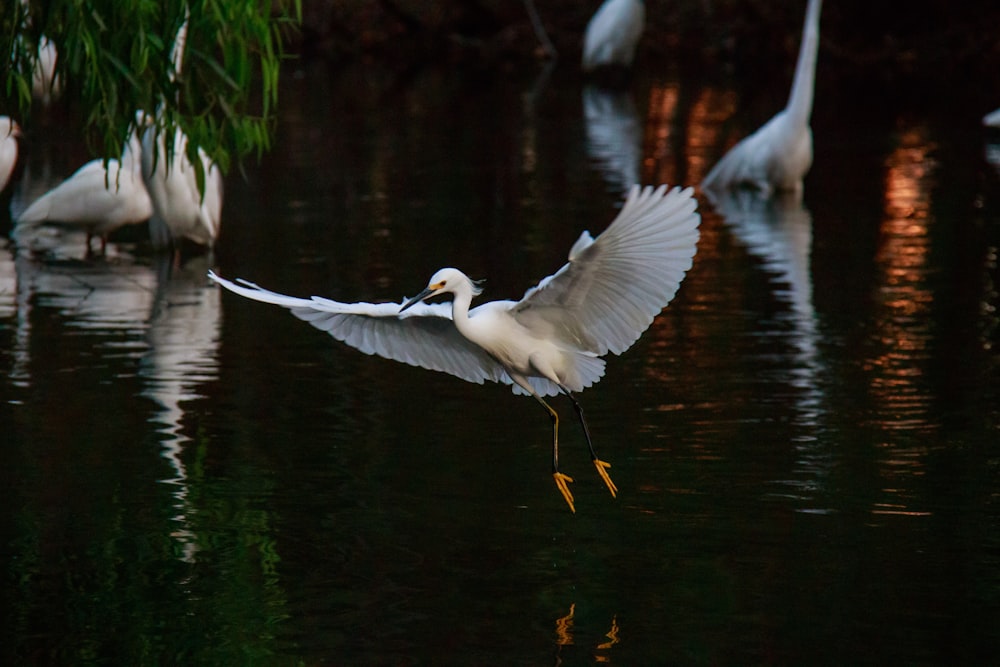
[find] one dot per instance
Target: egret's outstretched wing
(422, 336)
(612, 287)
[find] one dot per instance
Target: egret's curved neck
(177, 50)
(132, 152)
(462, 299)
(801, 98)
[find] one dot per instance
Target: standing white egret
(779, 154)
(552, 340)
(9, 132)
(613, 34)
(98, 198)
(180, 209)
(45, 84)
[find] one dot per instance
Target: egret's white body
(552, 340)
(179, 209)
(45, 85)
(9, 132)
(992, 119)
(613, 34)
(98, 198)
(780, 153)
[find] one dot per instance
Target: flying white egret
(613, 34)
(9, 132)
(552, 340)
(779, 154)
(98, 198)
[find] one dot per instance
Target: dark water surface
(805, 441)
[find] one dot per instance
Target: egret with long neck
(552, 340)
(778, 155)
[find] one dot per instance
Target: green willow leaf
(115, 58)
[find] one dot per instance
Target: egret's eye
(443, 283)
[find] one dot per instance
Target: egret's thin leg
(561, 480)
(602, 466)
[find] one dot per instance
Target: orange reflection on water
(612, 636)
(903, 298)
(564, 635)
(704, 130)
(683, 132)
(564, 628)
(902, 309)
(659, 133)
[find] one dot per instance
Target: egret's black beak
(420, 297)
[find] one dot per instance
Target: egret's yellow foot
(561, 482)
(602, 470)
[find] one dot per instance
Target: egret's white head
(444, 281)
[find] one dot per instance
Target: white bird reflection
(778, 230)
(183, 339)
(164, 326)
(991, 151)
(8, 281)
(89, 295)
(15, 305)
(11, 308)
(614, 135)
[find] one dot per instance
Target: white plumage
(9, 132)
(549, 342)
(179, 209)
(780, 153)
(45, 84)
(613, 34)
(98, 198)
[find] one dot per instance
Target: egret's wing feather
(612, 287)
(423, 335)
